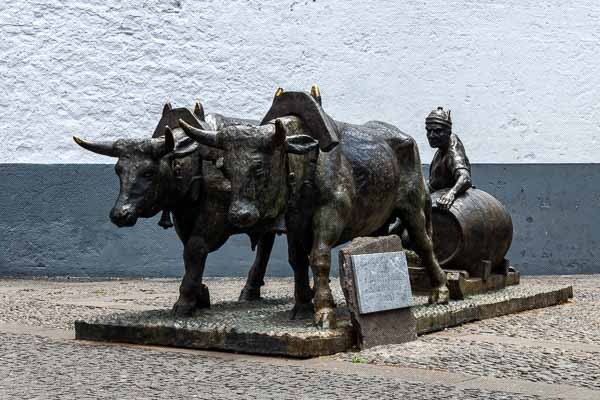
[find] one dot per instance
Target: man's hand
(445, 202)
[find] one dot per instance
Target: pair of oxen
(298, 171)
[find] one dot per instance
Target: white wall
(521, 76)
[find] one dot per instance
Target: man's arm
(463, 182)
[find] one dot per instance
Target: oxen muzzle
(123, 216)
(243, 215)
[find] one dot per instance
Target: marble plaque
(382, 281)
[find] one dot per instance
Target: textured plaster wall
(521, 76)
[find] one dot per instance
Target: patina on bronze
(173, 173)
(356, 187)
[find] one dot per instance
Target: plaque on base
(376, 285)
(382, 281)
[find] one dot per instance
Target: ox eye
(258, 169)
(257, 165)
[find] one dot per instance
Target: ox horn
(169, 139)
(279, 131)
(199, 111)
(207, 138)
(316, 93)
(104, 148)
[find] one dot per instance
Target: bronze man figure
(450, 167)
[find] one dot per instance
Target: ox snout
(243, 215)
(123, 216)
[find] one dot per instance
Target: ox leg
(327, 228)
(251, 290)
(298, 258)
(419, 228)
(193, 294)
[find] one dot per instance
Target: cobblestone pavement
(38, 367)
(554, 345)
(572, 322)
(540, 354)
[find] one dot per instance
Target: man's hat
(439, 116)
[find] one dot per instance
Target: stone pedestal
(261, 327)
(264, 327)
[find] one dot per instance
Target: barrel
(477, 230)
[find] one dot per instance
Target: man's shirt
(445, 165)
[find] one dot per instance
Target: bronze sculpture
(472, 230)
(173, 174)
(362, 178)
(450, 167)
(321, 181)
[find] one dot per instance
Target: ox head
(254, 160)
(139, 169)
(142, 172)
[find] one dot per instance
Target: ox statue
(331, 181)
(172, 173)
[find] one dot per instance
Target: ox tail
(428, 211)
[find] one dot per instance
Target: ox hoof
(302, 311)
(186, 306)
(440, 295)
(249, 294)
(325, 318)
(182, 309)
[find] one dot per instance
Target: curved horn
(207, 138)
(169, 139)
(279, 131)
(104, 148)
(316, 93)
(199, 111)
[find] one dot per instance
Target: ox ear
(300, 144)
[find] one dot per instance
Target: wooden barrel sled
(473, 235)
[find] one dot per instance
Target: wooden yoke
(170, 117)
(306, 107)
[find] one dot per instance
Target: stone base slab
(261, 327)
(510, 300)
(461, 285)
(264, 327)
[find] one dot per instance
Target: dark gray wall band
(54, 221)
